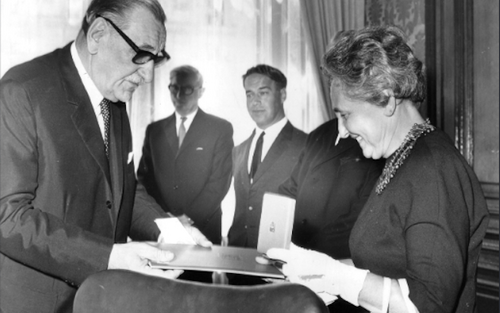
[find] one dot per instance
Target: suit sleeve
(438, 230)
(353, 184)
(290, 185)
(219, 181)
(146, 210)
(29, 234)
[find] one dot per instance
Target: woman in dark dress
(416, 244)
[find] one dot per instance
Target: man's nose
(147, 71)
(343, 132)
(255, 100)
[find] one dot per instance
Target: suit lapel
(170, 134)
(332, 150)
(343, 146)
(91, 136)
(335, 151)
(244, 154)
(84, 118)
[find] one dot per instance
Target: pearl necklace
(397, 158)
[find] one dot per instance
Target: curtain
(324, 18)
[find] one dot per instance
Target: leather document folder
(219, 259)
(276, 222)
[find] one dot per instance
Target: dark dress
(427, 227)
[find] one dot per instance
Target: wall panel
(462, 61)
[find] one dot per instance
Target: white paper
(173, 232)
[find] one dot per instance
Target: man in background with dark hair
(265, 159)
(68, 199)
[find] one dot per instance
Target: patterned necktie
(105, 115)
(257, 155)
(182, 130)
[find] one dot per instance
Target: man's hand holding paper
(135, 256)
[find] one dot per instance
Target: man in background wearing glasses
(186, 161)
(68, 199)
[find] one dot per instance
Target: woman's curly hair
(369, 61)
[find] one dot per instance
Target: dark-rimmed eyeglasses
(185, 90)
(141, 56)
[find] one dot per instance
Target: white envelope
(173, 232)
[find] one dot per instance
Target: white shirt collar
(94, 94)
(187, 122)
(272, 133)
(338, 139)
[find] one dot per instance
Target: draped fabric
(324, 18)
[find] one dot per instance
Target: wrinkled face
(264, 100)
(185, 103)
(112, 69)
(363, 121)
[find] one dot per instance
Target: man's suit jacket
(194, 179)
(330, 183)
(62, 205)
(274, 169)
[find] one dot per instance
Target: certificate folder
(217, 258)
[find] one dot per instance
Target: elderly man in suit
(263, 161)
(186, 160)
(68, 199)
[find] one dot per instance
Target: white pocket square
(199, 148)
(130, 157)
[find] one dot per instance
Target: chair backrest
(117, 291)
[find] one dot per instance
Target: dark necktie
(182, 130)
(257, 155)
(105, 115)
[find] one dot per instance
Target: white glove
(320, 273)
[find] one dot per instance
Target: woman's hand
(320, 273)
